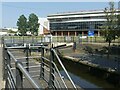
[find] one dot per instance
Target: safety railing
(49, 67)
(14, 80)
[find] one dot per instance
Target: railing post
(13, 40)
(64, 38)
(42, 63)
(27, 59)
(8, 58)
(32, 39)
(4, 53)
(7, 62)
(19, 77)
(52, 71)
(41, 39)
(23, 39)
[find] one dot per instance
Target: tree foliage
(118, 31)
(110, 27)
(33, 24)
(22, 25)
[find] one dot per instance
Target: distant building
(77, 23)
(13, 29)
(3, 31)
(44, 26)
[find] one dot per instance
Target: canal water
(83, 78)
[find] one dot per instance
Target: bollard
(52, 71)
(42, 64)
(27, 59)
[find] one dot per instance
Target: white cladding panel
(86, 20)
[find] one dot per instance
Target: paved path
(1, 78)
(34, 71)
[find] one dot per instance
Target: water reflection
(82, 77)
(80, 81)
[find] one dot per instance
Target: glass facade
(76, 26)
(77, 23)
(76, 18)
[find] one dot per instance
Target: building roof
(78, 12)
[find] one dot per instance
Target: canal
(83, 78)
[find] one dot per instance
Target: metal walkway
(35, 67)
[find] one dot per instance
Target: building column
(75, 33)
(55, 33)
(68, 33)
(98, 33)
(62, 33)
(82, 33)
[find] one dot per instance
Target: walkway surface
(34, 70)
(97, 59)
(1, 78)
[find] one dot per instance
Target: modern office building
(77, 23)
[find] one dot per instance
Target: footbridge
(34, 67)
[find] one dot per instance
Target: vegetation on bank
(111, 30)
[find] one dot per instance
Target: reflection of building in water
(75, 23)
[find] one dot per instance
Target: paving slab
(2, 83)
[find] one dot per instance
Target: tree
(33, 24)
(110, 27)
(22, 25)
(118, 22)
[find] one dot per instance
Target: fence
(48, 39)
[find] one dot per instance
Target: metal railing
(49, 67)
(48, 39)
(15, 80)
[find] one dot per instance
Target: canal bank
(105, 77)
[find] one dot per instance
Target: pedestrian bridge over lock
(36, 67)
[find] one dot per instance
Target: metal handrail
(25, 73)
(60, 75)
(64, 68)
(11, 73)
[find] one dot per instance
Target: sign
(91, 33)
